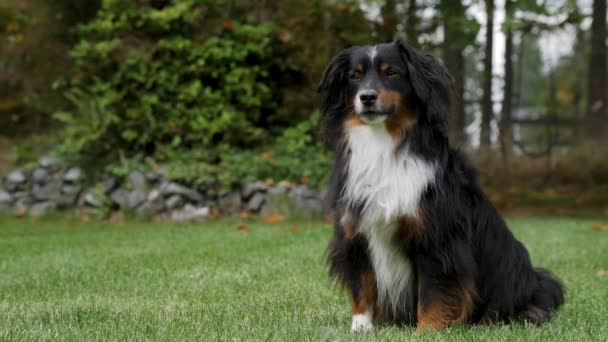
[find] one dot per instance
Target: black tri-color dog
(416, 240)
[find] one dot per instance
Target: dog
(416, 241)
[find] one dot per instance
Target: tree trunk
(506, 143)
(388, 29)
(453, 56)
(486, 105)
(411, 23)
(597, 105)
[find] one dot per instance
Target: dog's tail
(547, 296)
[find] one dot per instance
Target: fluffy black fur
(465, 243)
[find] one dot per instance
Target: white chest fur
(390, 186)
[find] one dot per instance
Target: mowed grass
(68, 280)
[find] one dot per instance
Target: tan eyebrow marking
(359, 67)
(384, 67)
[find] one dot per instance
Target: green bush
(217, 102)
(144, 79)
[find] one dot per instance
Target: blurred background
(220, 96)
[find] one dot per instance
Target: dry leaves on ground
(273, 219)
(599, 227)
(293, 228)
(243, 228)
(601, 273)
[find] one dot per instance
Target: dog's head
(387, 84)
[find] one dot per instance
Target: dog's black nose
(368, 97)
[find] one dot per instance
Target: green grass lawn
(67, 280)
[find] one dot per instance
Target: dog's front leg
(444, 298)
(363, 297)
(350, 264)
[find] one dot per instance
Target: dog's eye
(392, 73)
(355, 76)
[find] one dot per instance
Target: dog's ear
(431, 82)
(333, 88)
(333, 81)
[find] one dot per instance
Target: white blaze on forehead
(372, 53)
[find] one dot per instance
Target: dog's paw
(361, 323)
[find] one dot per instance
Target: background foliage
(218, 92)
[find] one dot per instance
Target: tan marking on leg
(348, 225)
(446, 310)
(366, 298)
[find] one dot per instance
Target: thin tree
(388, 28)
(454, 42)
(597, 105)
(507, 101)
(486, 105)
(411, 23)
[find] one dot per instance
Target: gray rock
(230, 203)
(250, 189)
(190, 213)
(109, 184)
(49, 163)
(278, 190)
(16, 177)
(71, 189)
(155, 201)
(175, 201)
(156, 177)
(67, 200)
(136, 198)
(303, 191)
(73, 175)
(308, 206)
(145, 210)
(256, 202)
(5, 197)
(40, 176)
(45, 192)
(171, 188)
(137, 180)
(120, 197)
(323, 194)
(21, 196)
(91, 200)
(277, 202)
(42, 208)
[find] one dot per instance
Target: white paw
(362, 323)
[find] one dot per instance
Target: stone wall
(51, 187)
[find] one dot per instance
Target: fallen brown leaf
(599, 227)
(601, 273)
(20, 211)
(269, 181)
(243, 229)
(273, 219)
(293, 228)
(214, 213)
(245, 215)
(304, 180)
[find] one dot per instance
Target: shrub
(145, 79)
